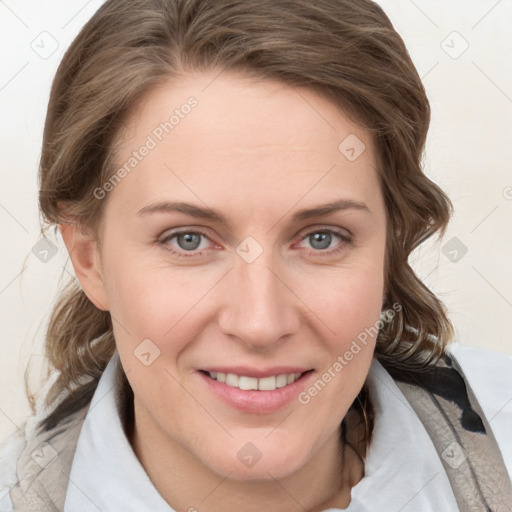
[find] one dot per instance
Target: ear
(83, 251)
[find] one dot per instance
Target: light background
(468, 154)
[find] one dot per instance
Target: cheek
(349, 308)
(350, 312)
(149, 298)
(359, 304)
(347, 301)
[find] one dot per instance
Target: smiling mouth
(246, 383)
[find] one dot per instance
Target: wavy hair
(345, 50)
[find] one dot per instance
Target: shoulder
(476, 355)
(17, 451)
(35, 466)
(489, 375)
(10, 450)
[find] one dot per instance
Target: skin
(257, 151)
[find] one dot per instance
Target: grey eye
(320, 240)
(188, 241)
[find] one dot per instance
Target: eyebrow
(214, 215)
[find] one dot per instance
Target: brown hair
(346, 50)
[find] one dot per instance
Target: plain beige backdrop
(462, 51)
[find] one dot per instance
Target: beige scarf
(441, 397)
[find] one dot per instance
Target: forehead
(212, 135)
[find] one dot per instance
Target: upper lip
(257, 373)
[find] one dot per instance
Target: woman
(239, 187)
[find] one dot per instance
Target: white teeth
(232, 380)
(281, 381)
(251, 383)
(267, 383)
(247, 383)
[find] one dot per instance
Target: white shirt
(403, 471)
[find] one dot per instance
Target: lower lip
(257, 402)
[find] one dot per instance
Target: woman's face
(211, 263)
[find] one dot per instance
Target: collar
(106, 474)
(402, 467)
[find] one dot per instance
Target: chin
(248, 462)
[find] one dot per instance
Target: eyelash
(345, 239)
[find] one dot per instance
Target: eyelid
(344, 233)
(168, 234)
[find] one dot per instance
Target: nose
(260, 307)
